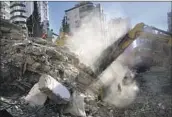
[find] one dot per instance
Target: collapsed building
(39, 78)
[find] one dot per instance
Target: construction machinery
(114, 50)
(118, 47)
(61, 39)
(125, 44)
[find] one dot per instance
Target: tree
(37, 28)
(29, 23)
(65, 25)
(67, 28)
(60, 30)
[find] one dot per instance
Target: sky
(150, 13)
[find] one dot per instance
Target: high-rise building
(116, 24)
(5, 10)
(18, 13)
(29, 8)
(169, 19)
(44, 14)
(42, 9)
(80, 11)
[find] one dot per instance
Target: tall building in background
(78, 13)
(115, 25)
(18, 13)
(5, 10)
(169, 19)
(29, 8)
(44, 14)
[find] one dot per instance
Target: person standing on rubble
(49, 34)
(44, 34)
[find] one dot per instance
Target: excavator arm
(118, 47)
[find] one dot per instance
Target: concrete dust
(118, 81)
(119, 91)
(88, 42)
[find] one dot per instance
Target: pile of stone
(39, 79)
(47, 71)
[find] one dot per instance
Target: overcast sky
(151, 13)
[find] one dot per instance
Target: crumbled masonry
(24, 61)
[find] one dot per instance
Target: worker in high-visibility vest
(62, 39)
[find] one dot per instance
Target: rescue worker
(44, 36)
(49, 34)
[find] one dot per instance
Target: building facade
(5, 10)
(18, 13)
(44, 14)
(118, 27)
(169, 19)
(76, 15)
(29, 8)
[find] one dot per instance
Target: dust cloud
(119, 85)
(89, 41)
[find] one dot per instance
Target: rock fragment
(77, 105)
(35, 96)
(53, 89)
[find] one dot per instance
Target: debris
(35, 96)
(35, 56)
(77, 105)
(5, 113)
(53, 89)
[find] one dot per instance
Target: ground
(154, 100)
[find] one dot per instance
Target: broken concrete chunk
(35, 96)
(43, 68)
(35, 50)
(5, 113)
(51, 52)
(77, 105)
(34, 66)
(84, 78)
(40, 41)
(29, 60)
(53, 89)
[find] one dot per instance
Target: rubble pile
(27, 62)
(37, 56)
(39, 79)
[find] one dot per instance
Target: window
(18, 8)
(76, 22)
(75, 15)
(16, 13)
(19, 19)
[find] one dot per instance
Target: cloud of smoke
(120, 87)
(89, 41)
